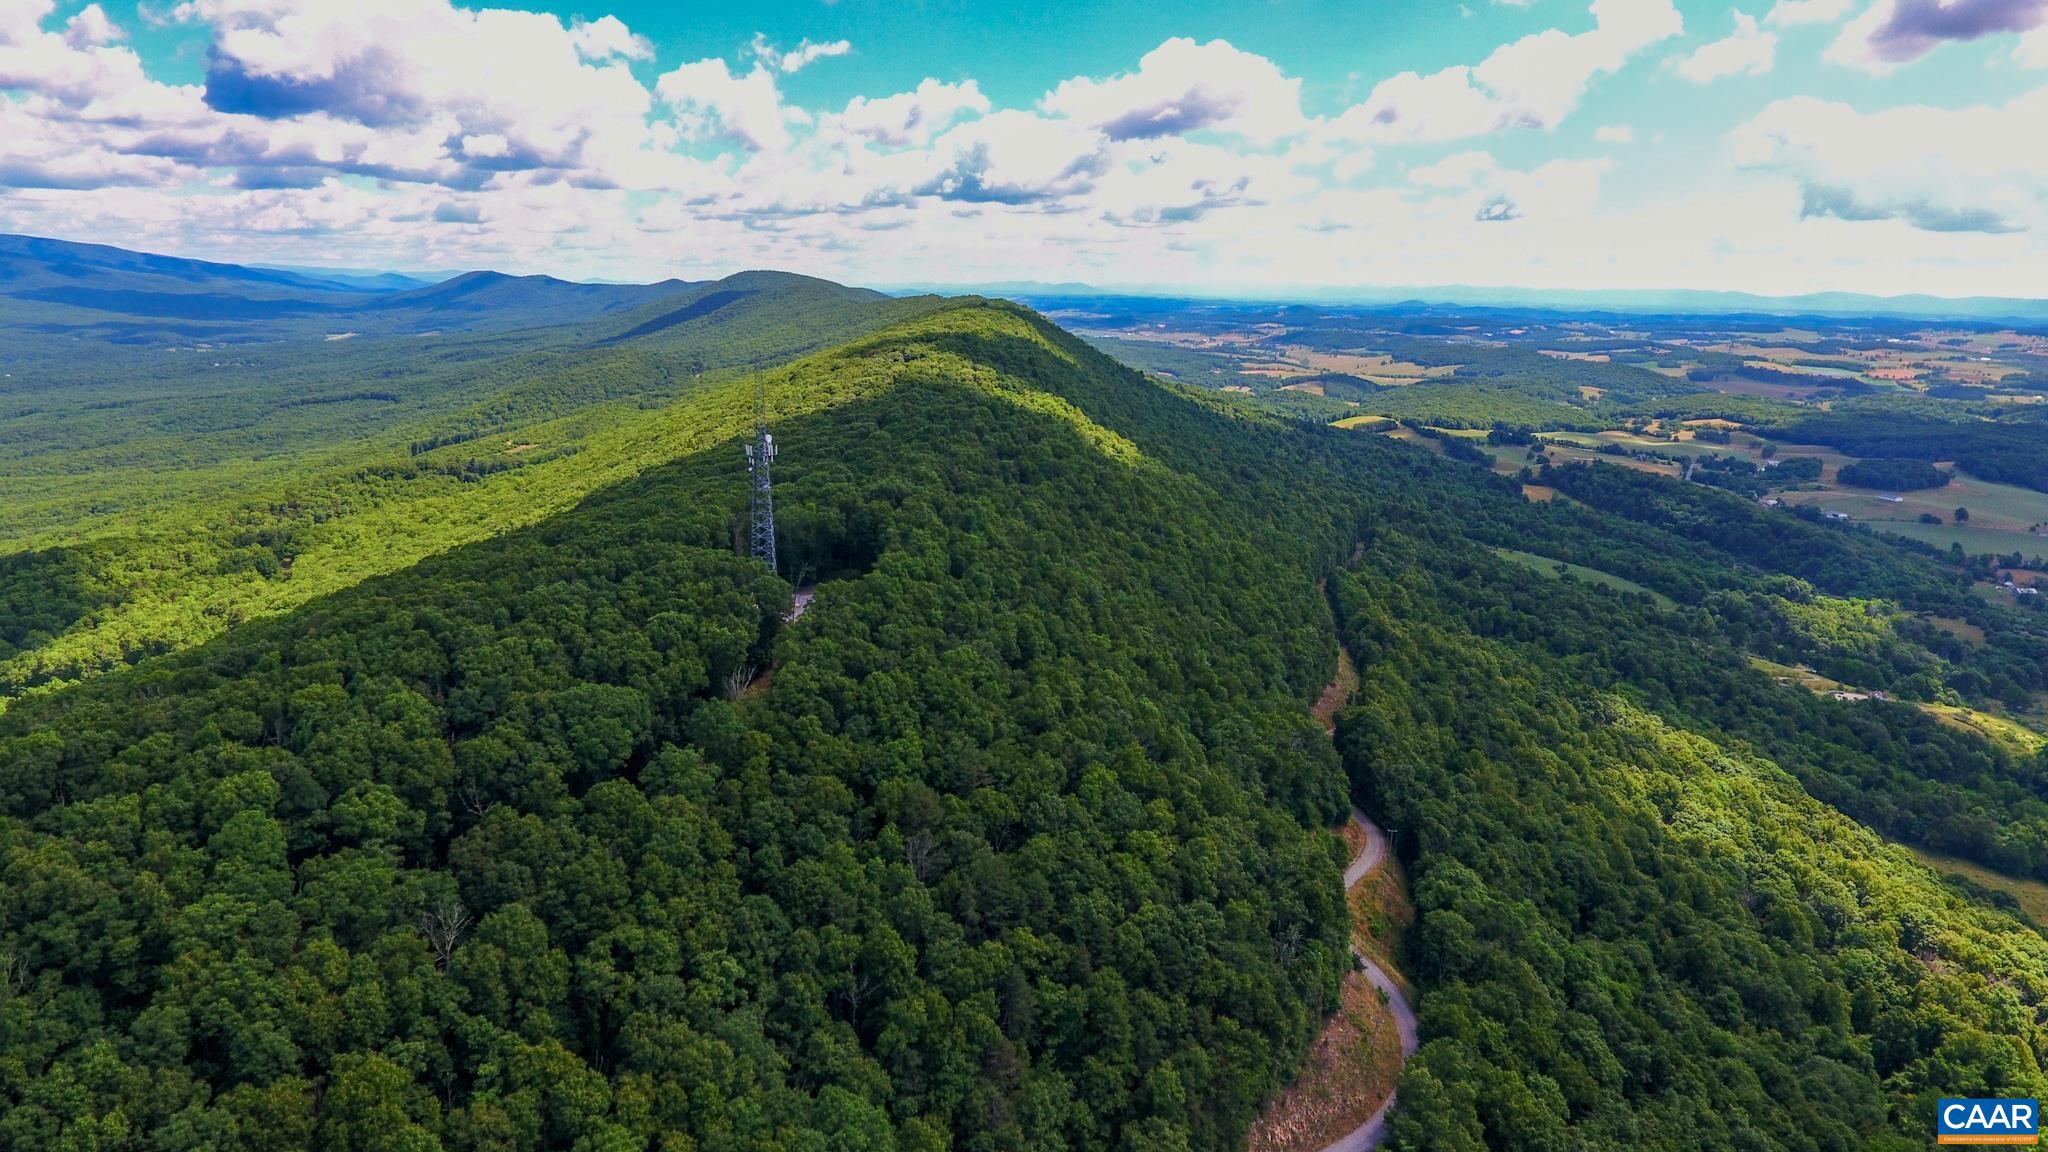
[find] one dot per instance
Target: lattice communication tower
(760, 458)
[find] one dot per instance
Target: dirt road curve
(1375, 850)
(1374, 1130)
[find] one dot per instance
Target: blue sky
(1284, 146)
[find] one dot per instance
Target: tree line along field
(563, 836)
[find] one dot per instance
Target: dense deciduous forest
(1634, 936)
(1896, 768)
(559, 834)
(564, 840)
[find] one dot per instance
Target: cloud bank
(417, 133)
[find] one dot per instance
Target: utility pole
(760, 456)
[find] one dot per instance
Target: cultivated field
(1372, 366)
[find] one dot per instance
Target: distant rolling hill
(34, 268)
(1581, 303)
(57, 287)
(360, 280)
(512, 300)
(735, 299)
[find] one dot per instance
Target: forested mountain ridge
(1022, 844)
(59, 290)
(146, 516)
(1015, 839)
(33, 265)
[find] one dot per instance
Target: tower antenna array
(760, 457)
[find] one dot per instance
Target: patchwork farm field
(1576, 452)
(2003, 517)
(1376, 367)
(1653, 394)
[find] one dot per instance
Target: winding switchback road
(1369, 1134)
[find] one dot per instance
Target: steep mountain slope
(1632, 935)
(566, 839)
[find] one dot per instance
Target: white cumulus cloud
(1013, 157)
(91, 27)
(1786, 13)
(712, 101)
(1533, 82)
(460, 133)
(1459, 170)
(800, 57)
(2032, 50)
(403, 68)
(608, 36)
(1892, 33)
(1749, 50)
(1936, 169)
(1181, 87)
(911, 118)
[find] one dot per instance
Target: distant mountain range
(136, 297)
(56, 286)
(1659, 301)
(360, 279)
